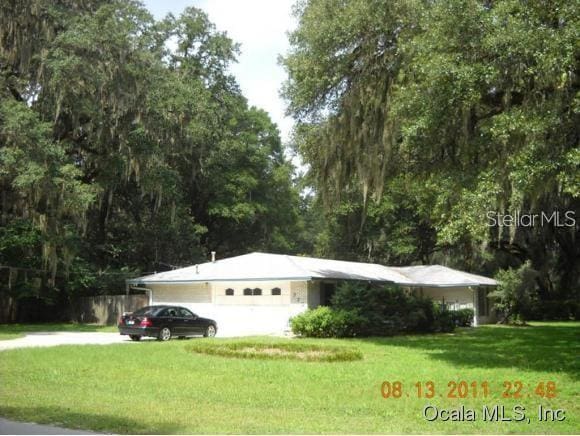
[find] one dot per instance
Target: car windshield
(147, 311)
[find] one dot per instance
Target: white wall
(239, 315)
(456, 298)
(463, 298)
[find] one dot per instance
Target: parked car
(165, 322)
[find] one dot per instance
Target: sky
(260, 27)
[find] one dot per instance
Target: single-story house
(258, 293)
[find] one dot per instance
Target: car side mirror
(194, 316)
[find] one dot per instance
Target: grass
(153, 387)
(295, 350)
(14, 331)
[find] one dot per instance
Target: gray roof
(265, 266)
(442, 276)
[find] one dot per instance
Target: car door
(189, 321)
(169, 318)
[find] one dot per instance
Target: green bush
(516, 293)
(360, 309)
(386, 310)
(462, 317)
(556, 310)
(444, 320)
(324, 322)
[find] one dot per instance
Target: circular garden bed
(294, 350)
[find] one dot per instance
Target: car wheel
(210, 331)
(135, 337)
(164, 334)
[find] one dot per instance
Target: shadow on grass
(68, 418)
(550, 348)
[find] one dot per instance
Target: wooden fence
(105, 309)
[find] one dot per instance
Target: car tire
(135, 338)
(210, 331)
(164, 334)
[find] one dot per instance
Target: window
(247, 291)
(184, 313)
(229, 291)
(148, 311)
(171, 311)
(276, 291)
(257, 291)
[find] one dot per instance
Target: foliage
(418, 118)
(246, 349)
(462, 317)
(515, 293)
(119, 155)
(388, 310)
(359, 309)
(324, 322)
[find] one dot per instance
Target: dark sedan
(164, 322)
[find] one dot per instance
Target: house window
(276, 291)
(257, 291)
(247, 291)
(229, 291)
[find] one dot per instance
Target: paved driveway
(13, 427)
(50, 339)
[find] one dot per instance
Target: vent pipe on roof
(197, 269)
(213, 256)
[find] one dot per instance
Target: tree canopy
(127, 147)
(419, 118)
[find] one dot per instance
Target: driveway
(13, 427)
(50, 339)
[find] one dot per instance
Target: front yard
(154, 387)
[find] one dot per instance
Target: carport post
(475, 308)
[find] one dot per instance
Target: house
(257, 293)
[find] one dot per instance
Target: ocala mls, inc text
(493, 413)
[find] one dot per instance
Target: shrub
(444, 321)
(462, 317)
(515, 293)
(324, 322)
(360, 309)
(556, 310)
(386, 310)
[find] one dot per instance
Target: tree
(448, 110)
(515, 293)
(120, 155)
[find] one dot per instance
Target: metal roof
(442, 276)
(265, 266)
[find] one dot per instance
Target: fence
(105, 309)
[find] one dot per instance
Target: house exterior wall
(463, 298)
(455, 298)
(239, 314)
(242, 315)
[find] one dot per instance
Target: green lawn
(154, 387)
(13, 331)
